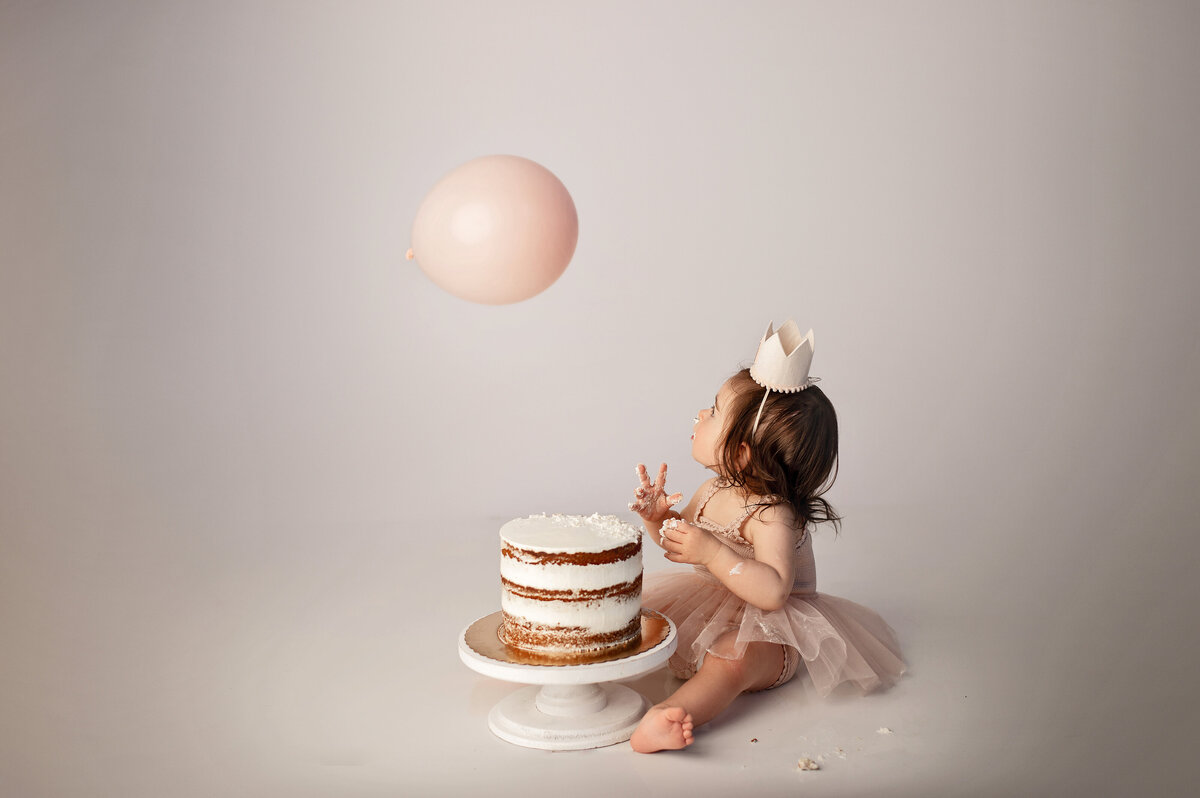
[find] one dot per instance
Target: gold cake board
(484, 637)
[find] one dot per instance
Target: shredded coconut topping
(609, 524)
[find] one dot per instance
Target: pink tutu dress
(837, 640)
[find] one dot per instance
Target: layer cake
(571, 586)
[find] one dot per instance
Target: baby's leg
(720, 679)
(702, 697)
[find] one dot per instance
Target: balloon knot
(408, 255)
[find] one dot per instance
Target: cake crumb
(840, 752)
(808, 764)
(737, 569)
(884, 730)
(753, 739)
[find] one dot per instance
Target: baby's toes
(677, 715)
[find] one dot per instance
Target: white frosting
(569, 534)
(570, 577)
(609, 615)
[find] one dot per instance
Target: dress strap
(736, 524)
(734, 528)
(712, 491)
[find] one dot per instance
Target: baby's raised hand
(650, 499)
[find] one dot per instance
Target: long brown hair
(793, 453)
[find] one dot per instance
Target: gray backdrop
(252, 462)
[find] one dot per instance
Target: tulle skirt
(838, 640)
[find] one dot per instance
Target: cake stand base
(568, 707)
(568, 717)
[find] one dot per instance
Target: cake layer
(568, 643)
(583, 594)
(552, 573)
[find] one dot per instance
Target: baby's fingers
(674, 499)
(662, 475)
(642, 475)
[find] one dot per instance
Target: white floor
(331, 670)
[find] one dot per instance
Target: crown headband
(782, 362)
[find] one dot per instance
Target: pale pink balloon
(496, 230)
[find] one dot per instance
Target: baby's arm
(766, 580)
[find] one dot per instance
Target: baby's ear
(743, 455)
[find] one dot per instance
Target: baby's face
(710, 428)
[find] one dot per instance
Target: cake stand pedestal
(568, 707)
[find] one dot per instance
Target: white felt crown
(782, 362)
(783, 359)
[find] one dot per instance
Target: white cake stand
(569, 707)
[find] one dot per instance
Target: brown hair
(793, 453)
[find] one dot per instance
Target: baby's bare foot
(663, 728)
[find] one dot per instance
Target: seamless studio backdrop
(253, 462)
